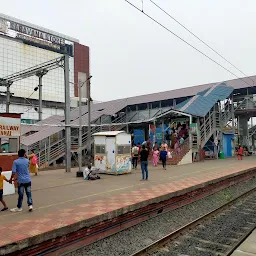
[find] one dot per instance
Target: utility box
(112, 152)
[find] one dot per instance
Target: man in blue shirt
(20, 168)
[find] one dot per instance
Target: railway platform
(248, 247)
(67, 209)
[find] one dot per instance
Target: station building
(218, 113)
(24, 45)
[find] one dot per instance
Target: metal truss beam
(32, 71)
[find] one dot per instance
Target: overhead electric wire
(220, 55)
(183, 40)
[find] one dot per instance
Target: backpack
(135, 150)
(34, 160)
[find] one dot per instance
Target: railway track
(218, 232)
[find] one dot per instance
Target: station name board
(36, 33)
(35, 37)
(9, 127)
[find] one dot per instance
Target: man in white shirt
(135, 155)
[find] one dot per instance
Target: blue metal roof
(201, 104)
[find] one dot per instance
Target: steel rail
(180, 231)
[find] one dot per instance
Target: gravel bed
(137, 237)
(212, 236)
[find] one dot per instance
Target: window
(124, 149)
(9, 145)
(100, 149)
(13, 145)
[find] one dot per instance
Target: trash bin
(222, 155)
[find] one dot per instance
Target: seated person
(90, 174)
(246, 151)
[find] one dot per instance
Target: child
(240, 153)
(2, 178)
(155, 156)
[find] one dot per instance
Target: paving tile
(13, 232)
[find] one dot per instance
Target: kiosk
(10, 143)
(112, 152)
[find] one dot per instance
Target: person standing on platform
(156, 146)
(144, 162)
(163, 157)
(20, 168)
(135, 156)
(155, 156)
(33, 167)
(240, 153)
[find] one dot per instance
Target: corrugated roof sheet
(38, 136)
(202, 103)
(114, 106)
(50, 120)
(172, 94)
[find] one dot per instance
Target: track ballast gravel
(135, 238)
(216, 235)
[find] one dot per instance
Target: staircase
(52, 151)
(209, 127)
(177, 156)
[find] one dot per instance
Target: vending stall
(112, 152)
(10, 144)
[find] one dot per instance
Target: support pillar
(40, 110)
(233, 114)
(67, 114)
(8, 98)
(162, 129)
(80, 129)
(89, 116)
(40, 75)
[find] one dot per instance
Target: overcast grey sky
(131, 55)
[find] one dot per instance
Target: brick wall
(6, 161)
(81, 64)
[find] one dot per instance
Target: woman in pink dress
(155, 157)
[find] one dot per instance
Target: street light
(80, 85)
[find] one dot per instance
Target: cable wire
(183, 40)
(220, 55)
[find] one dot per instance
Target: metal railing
(208, 128)
(181, 151)
(50, 150)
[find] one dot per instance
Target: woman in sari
(33, 166)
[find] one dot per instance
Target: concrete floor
(55, 190)
(248, 248)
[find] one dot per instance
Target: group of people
(141, 153)
(242, 151)
(21, 169)
(175, 138)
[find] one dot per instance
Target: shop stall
(10, 144)
(112, 152)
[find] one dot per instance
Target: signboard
(34, 33)
(29, 121)
(9, 127)
(34, 37)
(193, 128)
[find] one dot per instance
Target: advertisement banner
(9, 127)
(193, 128)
